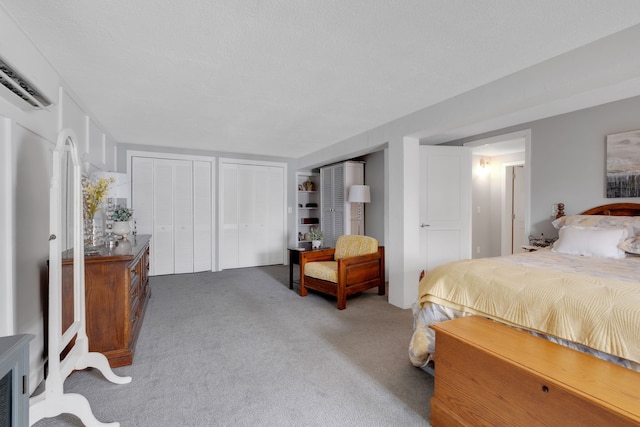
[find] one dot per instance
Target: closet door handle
(422, 224)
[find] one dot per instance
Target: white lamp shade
(359, 194)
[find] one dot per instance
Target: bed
(583, 292)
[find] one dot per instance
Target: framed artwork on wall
(623, 164)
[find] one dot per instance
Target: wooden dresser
(488, 374)
(116, 294)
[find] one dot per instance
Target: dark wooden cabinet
(14, 380)
(116, 294)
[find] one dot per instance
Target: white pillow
(591, 242)
(631, 223)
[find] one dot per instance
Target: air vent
(21, 87)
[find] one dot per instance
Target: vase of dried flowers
(93, 194)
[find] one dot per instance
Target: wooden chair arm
(317, 255)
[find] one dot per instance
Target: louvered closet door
(333, 202)
(172, 202)
(276, 236)
(229, 216)
(183, 216)
(202, 215)
(163, 203)
(252, 215)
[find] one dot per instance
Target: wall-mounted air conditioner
(27, 79)
(19, 90)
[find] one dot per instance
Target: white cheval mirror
(53, 401)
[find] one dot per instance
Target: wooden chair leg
(303, 290)
(342, 297)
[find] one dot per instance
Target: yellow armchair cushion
(353, 245)
(323, 270)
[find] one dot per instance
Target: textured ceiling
(288, 77)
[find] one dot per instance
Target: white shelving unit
(308, 206)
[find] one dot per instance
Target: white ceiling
(288, 77)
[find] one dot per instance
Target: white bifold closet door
(252, 215)
(172, 202)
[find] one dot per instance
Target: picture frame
(623, 165)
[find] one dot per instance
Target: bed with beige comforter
(591, 304)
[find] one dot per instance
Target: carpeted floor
(239, 348)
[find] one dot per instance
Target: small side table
(294, 258)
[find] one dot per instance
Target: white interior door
(172, 201)
(163, 250)
(229, 216)
(445, 204)
(518, 209)
(275, 234)
(252, 215)
(183, 216)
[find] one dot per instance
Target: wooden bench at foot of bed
(488, 374)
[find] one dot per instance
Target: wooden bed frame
(615, 209)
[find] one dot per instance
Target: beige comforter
(592, 302)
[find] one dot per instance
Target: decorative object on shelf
(316, 235)
(359, 194)
(93, 194)
(309, 185)
(93, 235)
(121, 216)
(109, 240)
(123, 247)
(541, 242)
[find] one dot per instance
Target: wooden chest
(488, 374)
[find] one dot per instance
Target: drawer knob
(545, 389)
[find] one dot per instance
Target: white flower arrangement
(121, 213)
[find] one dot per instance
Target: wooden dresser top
(124, 251)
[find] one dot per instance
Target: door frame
(505, 221)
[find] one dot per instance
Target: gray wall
(568, 158)
(374, 211)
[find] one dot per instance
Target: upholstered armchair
(354, 265)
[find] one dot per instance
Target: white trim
(7, 268)
(253, 162)
(526, 133)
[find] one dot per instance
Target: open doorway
(515, 237)
(500, 201)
